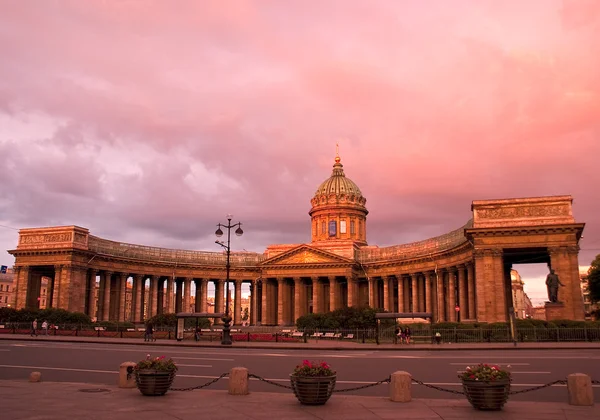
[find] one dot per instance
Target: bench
(297, 334)
(317, 335)
(328, 335)
(100, 328)
(130, 329)
(349, 336)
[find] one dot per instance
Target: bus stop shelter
(182, 316)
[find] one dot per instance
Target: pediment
(305, 254)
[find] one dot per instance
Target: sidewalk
(50, 400)
(312, 344)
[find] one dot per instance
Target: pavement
(20, 400)
(59, 400)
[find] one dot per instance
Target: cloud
(148, 123)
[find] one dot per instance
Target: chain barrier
(224, 375)
(535, 388)
(251, 375)
(452, 391)
(383, 381)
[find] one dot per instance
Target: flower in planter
(156, 363)
(484, 373)
(308, 368)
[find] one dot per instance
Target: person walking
(34, 328)
(149, 335)
(45, 327)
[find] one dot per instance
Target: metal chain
(384, 381)
(452, 391)
(595, 382)
(251, 375)
(201, 386)
(535, 388)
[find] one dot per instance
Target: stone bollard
(126, 375)
(238, 381)
(579, 386)
(400, 387)
(35, 377)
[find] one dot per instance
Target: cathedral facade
(460, 276)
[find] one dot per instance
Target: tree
(245, 315)
(594, 279)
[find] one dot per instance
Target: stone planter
(487, 395)
(153, 382)
(313, 390)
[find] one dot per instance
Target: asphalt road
(98, 363)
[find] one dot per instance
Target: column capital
(137, 277)
(280, 280)
(414, 276)
(189, 279)
(315, 279)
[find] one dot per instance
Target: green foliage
(246, 314)
(170, 321)
(163, 320)
(484, 372)
(52, 315)
(156, 363)
(308, 368)
(594, 279)
(344, 318)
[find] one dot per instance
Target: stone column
(428, 277)
(462, 294)
(400, 293)
(414, 294)
(219, 293)
(332, 293)
(122, 293)
(198, 296)
(386, 294)
(91, 296)
(573, 283)
(421, 292)
(153, 298)
(280, 320)
(499, 284)
(76, 282)
(265, 304)
(168, 298)
(316, 298)
(237, 303)
(106, 301)
(451, 294)
(138, 311)
(441, 299)
(352, 291)
(187, 288)
(204, 295)
(298, 309)
(371, 292)
(471, 291)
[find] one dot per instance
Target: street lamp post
(226, 340)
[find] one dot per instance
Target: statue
(552, 283)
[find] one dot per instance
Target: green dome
(338, 184)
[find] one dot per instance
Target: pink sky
(148, 122)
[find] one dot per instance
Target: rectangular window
(7, 288)
(342, 226)
(332, 228)
(1, 286)
(352, 228)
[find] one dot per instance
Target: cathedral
(460, 276)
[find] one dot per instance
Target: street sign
(3, 269)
